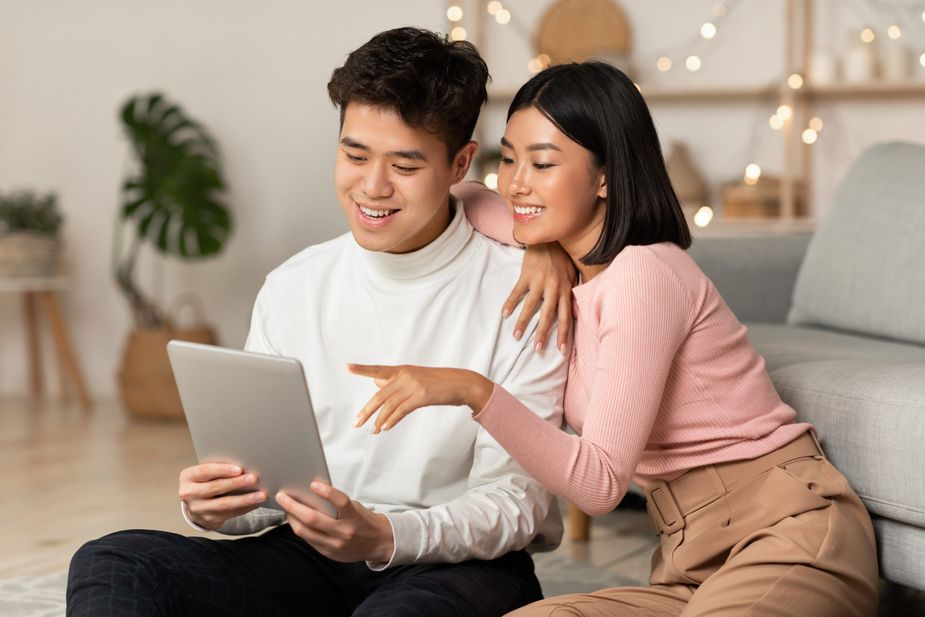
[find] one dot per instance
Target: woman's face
(551, 183)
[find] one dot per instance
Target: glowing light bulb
(784, 112)
(544, 59)
(693, 63)
(454, 13)
(795, 81)
(752, 173)
(867, 35)
(703, 216)
(708, 30)
(458, 34)
(810, 136)
(776, 122)
(503, 16)
(894, 32)
(815, 123)
(664, 64)
(491, 181)
(922, 59)
(493, 7)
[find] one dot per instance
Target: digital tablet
(252, 410)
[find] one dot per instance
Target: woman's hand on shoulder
(547, 277)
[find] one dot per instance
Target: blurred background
(716, 74)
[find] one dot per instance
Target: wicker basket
(26, 254)
(146, 382)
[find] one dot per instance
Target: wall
(254, 73)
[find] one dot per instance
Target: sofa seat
(866, 398)
(784, 345)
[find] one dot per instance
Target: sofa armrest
(755, 275)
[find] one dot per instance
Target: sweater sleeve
(486, 212)
(643, 314)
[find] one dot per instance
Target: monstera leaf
(172, 199)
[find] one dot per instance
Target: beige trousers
(786, 540)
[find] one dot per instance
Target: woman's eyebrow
(533, 147)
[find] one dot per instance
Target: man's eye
(354, 158)
(406, 170)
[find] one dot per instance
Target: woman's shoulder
(664, 269)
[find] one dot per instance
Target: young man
(433, 516)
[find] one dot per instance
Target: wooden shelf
(870, 90)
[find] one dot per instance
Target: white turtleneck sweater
(450, 491)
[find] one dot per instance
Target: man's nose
(376, 183)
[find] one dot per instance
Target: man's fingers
(206, 472)
(337, 498)
(520, 288)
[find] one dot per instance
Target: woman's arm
(546, 276)
(644, 315)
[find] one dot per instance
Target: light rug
(43, 596)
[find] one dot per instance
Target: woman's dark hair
(432, 83)
(598, 107)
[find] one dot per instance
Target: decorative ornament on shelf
(578, 30)
(757, 195)
(29, 240)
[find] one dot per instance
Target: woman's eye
(543, 165)
(506, 161)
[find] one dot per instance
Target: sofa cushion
(901, 550)
(865, 267)
(870, 418)
(782, 345)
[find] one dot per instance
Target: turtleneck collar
(432, 258)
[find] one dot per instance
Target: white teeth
(528, 209)
(376, 214)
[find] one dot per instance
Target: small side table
(43, 292)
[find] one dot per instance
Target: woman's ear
(602, 186)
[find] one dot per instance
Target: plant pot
(26, 254)
(146, 382)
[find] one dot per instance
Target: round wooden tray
(578, 30)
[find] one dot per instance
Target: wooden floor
(70, 477)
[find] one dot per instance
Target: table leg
(579, 524)
(33, 347)
(64, 347)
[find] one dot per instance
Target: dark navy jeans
(144, 573)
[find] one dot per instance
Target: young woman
(664, 386)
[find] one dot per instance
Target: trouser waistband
(669, 502)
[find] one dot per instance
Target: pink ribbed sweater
(662, 379)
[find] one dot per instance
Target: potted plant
(171, 201)
(29, 242)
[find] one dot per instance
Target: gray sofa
(840, 320)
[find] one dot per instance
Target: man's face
(393, 180)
